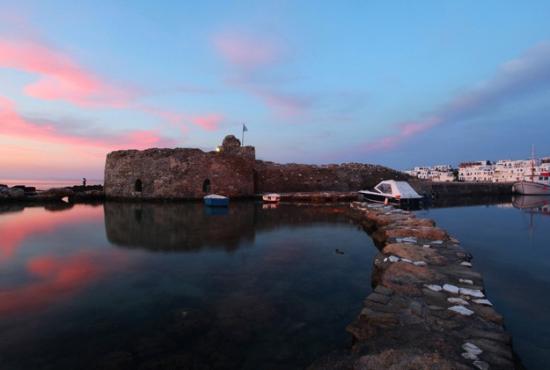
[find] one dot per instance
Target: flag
(245, 129)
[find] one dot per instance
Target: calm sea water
(163, 286)
(168, 286)
(510, 243)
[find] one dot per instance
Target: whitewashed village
(501, 171)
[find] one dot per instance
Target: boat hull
(384, 199)
(216, 202)
(531, 188)
(271, 199)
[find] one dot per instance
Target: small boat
(271, 198)
(393, 192)
(215, 200)
(536, 185)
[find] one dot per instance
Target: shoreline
(428, 306)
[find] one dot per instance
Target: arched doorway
(138, 186)
(206, 186)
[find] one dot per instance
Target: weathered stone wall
(177, 174)
(273, 177)
(232, 171)
(461, 189)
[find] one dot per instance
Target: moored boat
(535, 184)
(540, 187)
(271, 198)
(395, 192)
(215, 200)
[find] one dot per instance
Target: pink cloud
(209, 122)
(168, 116)
(251, 56)
(15, 125)
(520, 76)
(60, 77)
(285, 105)
(405, 131)
(247, 51)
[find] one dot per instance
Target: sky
(394, 83)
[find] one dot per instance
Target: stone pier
(428, 308)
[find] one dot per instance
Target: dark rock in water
(338, 251)
(16, 193)
(87, 196)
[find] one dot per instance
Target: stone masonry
(232, 171)
(429, 308)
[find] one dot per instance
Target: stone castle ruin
(232, 170)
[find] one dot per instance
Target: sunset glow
(69, 95)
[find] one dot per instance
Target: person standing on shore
(84, 181)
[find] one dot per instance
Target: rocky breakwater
(428, 309)
(74, 194)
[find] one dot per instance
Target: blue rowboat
(214, 200)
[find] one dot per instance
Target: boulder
(422, 232)
(406, 278)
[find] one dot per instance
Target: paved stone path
(428, 308)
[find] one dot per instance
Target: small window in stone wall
(206, 186)
(138, 186)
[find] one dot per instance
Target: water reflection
(178, 226)
(171, 286)
(510, 243)
(23, 223)
(192, 226)
(532, 203)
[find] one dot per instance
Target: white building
(478, 171)
(512, 170)
(507, 171)
(438, 173)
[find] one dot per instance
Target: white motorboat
(271, 198)
(394, 192)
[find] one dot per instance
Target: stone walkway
(428, 309)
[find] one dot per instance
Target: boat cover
(398, 188)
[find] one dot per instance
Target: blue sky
(398, 84)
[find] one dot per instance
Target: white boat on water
(535, 184)
(531, 188)
(394, 192)
(271, 198)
